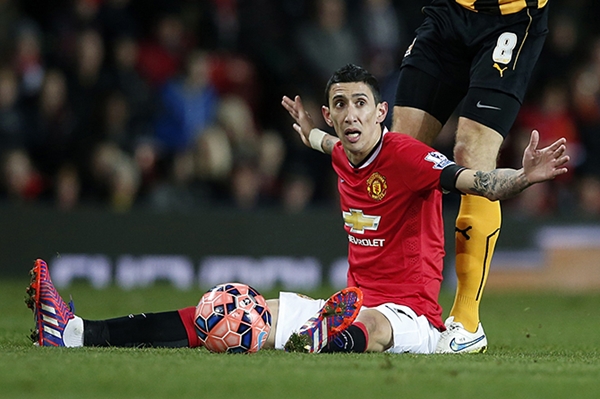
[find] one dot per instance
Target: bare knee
(378, 328)
(477, 145)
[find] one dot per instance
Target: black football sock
(142, 330)
(353, 339)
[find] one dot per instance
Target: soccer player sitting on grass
(390, 189)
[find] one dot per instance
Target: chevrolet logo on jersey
(359, 222)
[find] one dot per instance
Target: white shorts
(412, 333)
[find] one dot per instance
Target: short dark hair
(353, 73)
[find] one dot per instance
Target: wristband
(449, 176)
(315, 137)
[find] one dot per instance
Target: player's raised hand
(545, 163)
(303, 121)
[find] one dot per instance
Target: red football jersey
(392, 210)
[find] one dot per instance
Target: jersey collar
(374, 152)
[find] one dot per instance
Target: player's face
(356, 118)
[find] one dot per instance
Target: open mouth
(353, 135)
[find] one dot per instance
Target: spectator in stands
(553, 117)
(586, 102)
(114, 170)
(258, 155)
(21, 181)
(50, 126)
(161, 57)
(559, 51)
(327, 42)
(126, 79)
(188, 105)
(12, 120)
(87, 79)
(64, 23)
(27, 60)
(384, 36)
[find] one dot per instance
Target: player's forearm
(322, 141)
(328, 142)
(498, 184)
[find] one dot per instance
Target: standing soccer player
(480, 52)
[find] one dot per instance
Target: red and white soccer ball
(232, 318)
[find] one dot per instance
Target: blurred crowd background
(171, 105)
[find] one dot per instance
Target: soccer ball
(232, 318)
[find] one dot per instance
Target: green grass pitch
(541, 346)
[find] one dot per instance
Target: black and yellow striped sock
(477, 229)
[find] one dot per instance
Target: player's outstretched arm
(538, 165)
(305, 127)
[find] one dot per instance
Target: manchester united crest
(377, 186)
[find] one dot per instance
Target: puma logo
(464, 232)
(501, 70)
